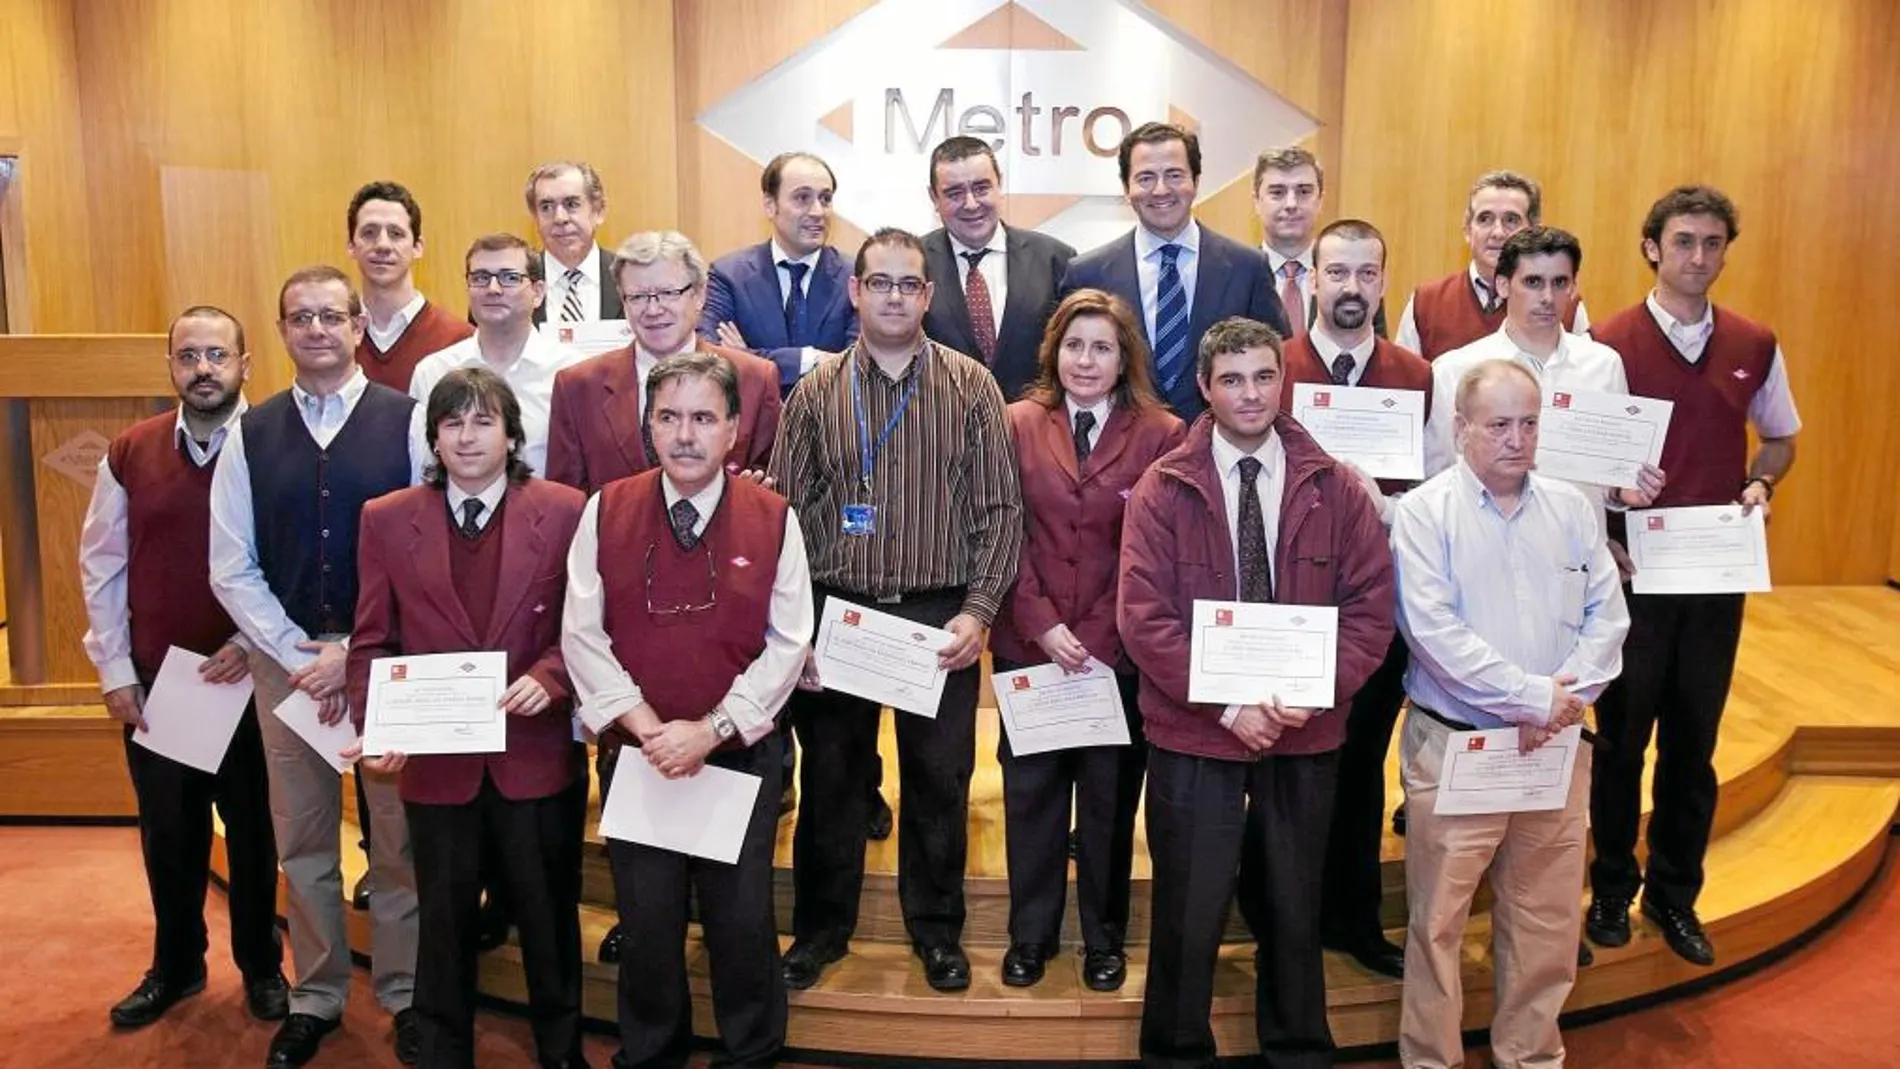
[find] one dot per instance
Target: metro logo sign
(1052, 85)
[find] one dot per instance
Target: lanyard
(868, 450)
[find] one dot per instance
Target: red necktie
(976, 292)
(1291, 299)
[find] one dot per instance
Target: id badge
(860, 520)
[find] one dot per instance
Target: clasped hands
(1259, 727)
(1566, 710)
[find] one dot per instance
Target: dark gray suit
(1034, 266)
(609, 291)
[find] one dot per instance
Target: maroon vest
(432, 331)
(168, 530)
(685, 661)
(1390, 367)
(1705, 455)
(1447, 315)
(475, 568)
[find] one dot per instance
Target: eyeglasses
(191, 358)
(637, 301)
(712, 585)
(329, 317)
(882, 285)
(510, 280)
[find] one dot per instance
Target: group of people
(1048, 455)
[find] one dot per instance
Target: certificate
(879, 657)
(1484, 773)
(1045, 708)
(186, 718)
(440, 703)
(705, 814)
(1706, 549)
(299, 714)
(1244, 653)
(1382, 432)
(589, 338)
(1600, 438)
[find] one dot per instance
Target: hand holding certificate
(880, 657)
(1046, 708)
(1600, 438)
(1707, 549)
(1484, 773)
(1245, 653)
(441, 703)
(188, 719)
(589, 338)
(1382, 432)
(300, 714)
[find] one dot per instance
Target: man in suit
(1289, 193)
(568, 206)
(1180, 276)
(475, 559)
(598, 430)
(784, 298)
(1006, 278)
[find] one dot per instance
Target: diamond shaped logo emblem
(1389, 403)
(77, 458)
(1634, 410)
(466, 667)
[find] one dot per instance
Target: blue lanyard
(867, 450)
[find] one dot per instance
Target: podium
(63, 397)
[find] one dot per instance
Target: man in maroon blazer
(474, 559)
(1248, 508)
(1342, 351)
(597, 432)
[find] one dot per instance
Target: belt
(901, 596)
(1455, 725)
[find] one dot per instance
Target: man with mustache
(1289, 194)
(142, 557)
(568, 204)
(385, 240)
(688, 609)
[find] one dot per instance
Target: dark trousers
(1350, 913)
(1677, 663)
(175, 837)
(1103, 784)
(534, 849)
(738, 925)
(934, 761)
(1202, 814)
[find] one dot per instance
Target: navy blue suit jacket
(743, 289)
(1230, 279)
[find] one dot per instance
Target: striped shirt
(948, 505)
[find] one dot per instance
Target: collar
(1676, 329)
(997, 244)
(1227, 456)
(1473, 488)
(1277, 261)
(868, 364)
(704, 502)
(1329, 349)
(779, 255)
(645, 359)
(1536, 363)
(352, 390)
(490, 497)
(589, 267)
(1099, 409)
(1148, 243)
(218, 433)
(539, 349)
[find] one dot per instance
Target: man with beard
(1289, 194)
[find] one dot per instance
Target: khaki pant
(306, 804)
(1536, 862)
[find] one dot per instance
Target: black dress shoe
(408, 1040)
(1608, 922)
(806, 962)
(297, 1040)
(268, 997)
(1585, 956)
(359, 898)
(149, 1001)
(1023, 965)
(1682, 930)
(1398, 820)
(611, 945)
(878, 827)
(491, 928)
(945, 967)
(1103, 969)
(1379, 955)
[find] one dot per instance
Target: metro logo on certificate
(880, 657)
(1602, 439)
(591, 338)
(1244, 653)
(439, 703)
(1382, 432)
(1705, 549)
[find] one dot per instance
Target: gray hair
(1486, 373)
(656, 246)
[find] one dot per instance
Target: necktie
(1171, 322)
(976, 292)
(472, 511)
(1487, 297)
(1291, 299)
(1256, 568)
(684, 516)
(1342, 369)
(571, 304)
(646, 429)
(795, 303)
(1084, 423)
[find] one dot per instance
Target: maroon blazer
(1072, 526)
(594, 424)
(407, 604)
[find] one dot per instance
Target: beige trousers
(1536, 864)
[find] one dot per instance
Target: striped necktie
(571, 304)
(1171, 322)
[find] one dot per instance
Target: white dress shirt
(1329, 351)
(105, 551)
(644, 362)
(1407, 336)
(994, 269)
(237, 578)
(1494, 607)
(1270, 484)
(1148, 268)
(601, 684)
(1308, 280)
(530, 375)
(588, 288)
(1100, 409)
(1772, 409)
(490, 497)
(386, 336)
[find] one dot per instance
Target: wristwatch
(722, 724)
(1767, 483)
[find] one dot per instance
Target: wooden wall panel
(218, 228)
(40, 121)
